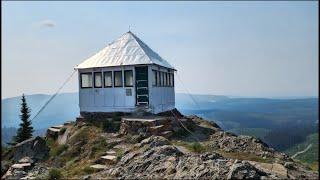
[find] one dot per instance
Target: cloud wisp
(47, 23)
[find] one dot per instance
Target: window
(118, 79)
(86, 80)
(158, 78)
(97, 79)
(164, 79)
(172, 76)
(128, 78)
(154, 77)
(169, 78)
(108, 79)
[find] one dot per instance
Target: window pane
(117, 78)
(154, 78)
(169, 78)
(98, 79)
(128, 78)
(158, 80)
(162, 79)
(108, 79)
(172, 79)
(165, 79)
(86, 80)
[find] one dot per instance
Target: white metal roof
(127, 50)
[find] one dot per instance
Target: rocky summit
(147, 148)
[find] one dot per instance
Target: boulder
(34, 148)
(244, 170)
(26, 160)
(154, 141)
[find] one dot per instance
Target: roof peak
(126, 50)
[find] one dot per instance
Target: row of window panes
(160, 78)
(87, 81)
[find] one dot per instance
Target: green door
(142, 90)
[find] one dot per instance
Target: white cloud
(48, 23)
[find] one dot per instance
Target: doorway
(142, 90)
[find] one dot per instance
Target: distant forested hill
(62, 108)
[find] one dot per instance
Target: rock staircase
(109, 158)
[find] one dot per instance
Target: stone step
(25, 160)
(58, 126)
(167, 134)
(109, 159)
(54, 129)
(98, 166)
(156, 127)
(21, 166)
(111, 152)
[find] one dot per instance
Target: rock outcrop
(34, 148)
(141, 150)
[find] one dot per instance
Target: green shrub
(196, 147)
(88, 170)
(55, 151)
(62, 131)
(81, 136)
(119, 154)
(54, 174)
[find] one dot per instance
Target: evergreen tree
(25, 130)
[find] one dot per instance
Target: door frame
(136, 85)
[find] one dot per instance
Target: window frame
(114, 78)
(159, 79)
(155, 74)
(81, 85)
(172, 79)
(124, 76)
(94, 80)
(104, 79)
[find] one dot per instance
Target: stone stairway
(109, 158)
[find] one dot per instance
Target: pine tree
(25, 130)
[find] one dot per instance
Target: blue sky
(264, 49)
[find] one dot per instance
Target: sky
(254, 49)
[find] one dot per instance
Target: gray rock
(289, 165)
(154, 141)
(244, 170)
(35, 148)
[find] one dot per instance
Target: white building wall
(107, 99)
(115, 100)
(161, 98)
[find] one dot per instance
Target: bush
(119, 154)
(88, 170)
(55, 151)
(55, 174)
(62, 131)
(196, 147)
